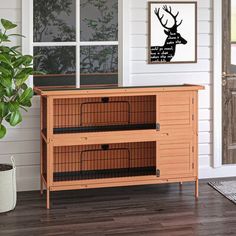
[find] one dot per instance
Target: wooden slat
(165, 160)
(175, 122)
(117, 182)
(175, 169)
(164, 116)
(103, 184)
(173, 146)
(119, 91)
(175, 108)
(174, 100)
(106, 137)
(175, 152)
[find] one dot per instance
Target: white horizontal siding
(204, 14)
(167, 78)
(13, 5)
(143, 3)
(11, 10)
(13, 15)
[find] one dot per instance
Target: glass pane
(99, 20)
(99, 65)
(54, 21)
(58, 64)
(233, 20)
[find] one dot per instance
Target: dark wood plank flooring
(130, 211)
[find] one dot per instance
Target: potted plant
(15, 95)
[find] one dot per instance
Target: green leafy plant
(15, 70)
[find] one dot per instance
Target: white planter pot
(8, 187)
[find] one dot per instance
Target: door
(176, 158)
(176, 117)
(229, 81)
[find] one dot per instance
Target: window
(233, 32)
(75, 42)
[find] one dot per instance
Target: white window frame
(123, 43)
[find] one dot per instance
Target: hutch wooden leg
(48, 199)
(180, 185)
(197, 189)
(41, 186)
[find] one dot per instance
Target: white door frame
(217, 83)
(217, 169)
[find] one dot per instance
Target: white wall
(23, 141)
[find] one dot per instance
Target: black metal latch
(158, 127)
(105, 147)
(105, 100)
(158, 173)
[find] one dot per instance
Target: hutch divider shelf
(118, 137)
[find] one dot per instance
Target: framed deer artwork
(172, 32)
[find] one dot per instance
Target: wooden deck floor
(131, 211)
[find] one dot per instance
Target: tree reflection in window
(58, 64)
(99, 20)
(99, 65)
(54, 20)
(99, 59)
(55, 60)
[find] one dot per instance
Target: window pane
(233, 20)
(99, 65)
(58, 64)
(54, 21)
(99, 20)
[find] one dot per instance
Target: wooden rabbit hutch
(99, 138)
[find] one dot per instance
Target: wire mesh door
(72, 115)
(104, 161)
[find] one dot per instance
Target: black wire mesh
(73, 115)
(104, 161)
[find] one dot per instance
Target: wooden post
(41, 185)
(48, 199)
(41, 145)
(49, 148)
(196, 189)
